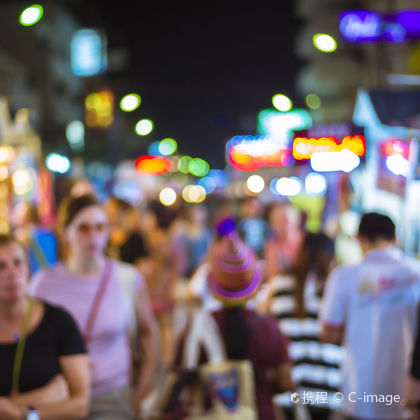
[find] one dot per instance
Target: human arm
(412, 397)
(412, 392)
(75, 373)
(149, 337)
(270, 259)
(284, 381)
(334, 308)
(331, 333)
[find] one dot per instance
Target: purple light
(360, 26)
(369, 26)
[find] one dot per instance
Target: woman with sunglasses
(90, 286)
(44, 370)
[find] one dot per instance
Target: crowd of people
(98, 311)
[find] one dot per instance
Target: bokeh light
(194, 194)
(75, 133)
(255, 184)
(315, 184)
(167, 196)
(289, 186)
(209, 184)
(324, 42)
(4, 172)
(167, 147)
(130, 102)
(313, 101)
(282, 102)
(183, 164)
(31, 15)
(57, 163)
(198, 167)
(22, 182)
(144, 127)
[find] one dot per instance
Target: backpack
(219, 389)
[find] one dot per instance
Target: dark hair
(164, 215)
(236, 333)
(375, 226)
(70, 207)
(122, 204)
(8, 239)
(315, 255)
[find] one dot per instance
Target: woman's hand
(9, 410)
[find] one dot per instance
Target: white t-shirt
(376, 301)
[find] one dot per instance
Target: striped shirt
(316, 365)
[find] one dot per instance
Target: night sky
(203, 70)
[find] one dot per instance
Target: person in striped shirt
(295, 302)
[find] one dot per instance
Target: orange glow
(153, 165)
(245, 162)
(304, 147)
(99, 109)
(396, 147)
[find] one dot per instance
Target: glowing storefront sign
(153, 165)
(276, 123)
(305, 147)
(369, 26)
(249, 153)
(88, 52)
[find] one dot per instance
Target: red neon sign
(153, 165)
(396, 147)
(245, 162)
(305, 147)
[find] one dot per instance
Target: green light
(271, 122)
(144, 127)
(167, 147)
(282, 102)
(183, 164)
(324, 42)
(198, 167)
(31, 15)
(313, 101)
(130, 102)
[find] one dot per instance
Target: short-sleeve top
(267, 349)
(108, 347)
(55, 336)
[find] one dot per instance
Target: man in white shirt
(371, 308)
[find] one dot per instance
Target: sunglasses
(85, 228)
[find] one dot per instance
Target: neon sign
(305, 147)
(88, 52)
(276, 123)
(392, 147)
(248, 153)
(369, 26)
(153, 165)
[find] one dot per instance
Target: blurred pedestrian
(43, 362)
(93, 288)
(282, 246)
(412, 393)
(126, 240)
(252, 227)
(164, 273)
(193, 237)
(295, 301)
(40, 241)
(371, 308)
(234, 277)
